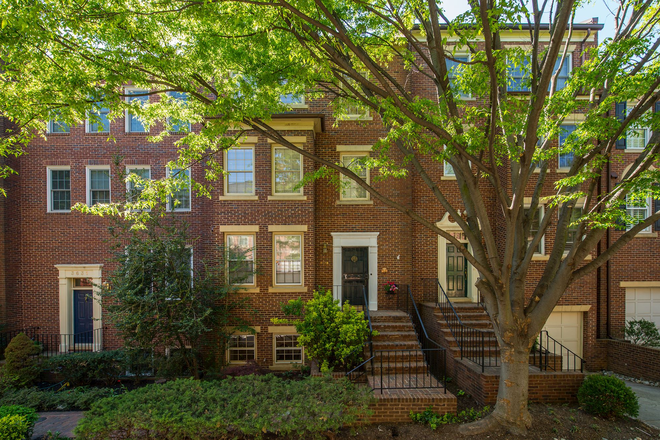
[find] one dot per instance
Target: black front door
(83, 321)
(355, 275)
(456, 273)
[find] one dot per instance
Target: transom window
(350, 190)
(639, 210)
(565, 157)
(99, 122)
(287, 349)
(287, 171)
(180, 199)
(99, 186)
(240, 258)
(133, 190)
(59, 195)
(133, 123)
(240, 166)
(241, 348)
(288, 259)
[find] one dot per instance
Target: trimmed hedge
(247, 405)
(607, 396)
(17, 422)
(83, 368)
(80, 398)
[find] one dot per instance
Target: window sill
(587, 258)
(58, 134)
(448, 178)
(295, 197)
(58, 212)
(137, 133)
(354, 202)
(236, 197)
(633, 150)
(97, 133)
(539, 257)
(357, 119)
(646, 234)
(169, 210)
(297, 106)
(563, 170)
(287, 289)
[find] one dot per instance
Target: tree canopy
(234, 59)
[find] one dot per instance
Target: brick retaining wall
(394, 406)
(632, 360)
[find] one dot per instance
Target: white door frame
(355, 239)
(455, 230)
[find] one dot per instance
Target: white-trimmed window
(288, 259)
(287, 171)
(571, 237)
(454, 71)
(240, 259)
(177, 126)
(58, 126)
(98, 185)
(564, 72)
(636, 138)
(133, 123)
(99, 122)
(518, 75)
(241, 348)
(534, 228)
(448, 169)
(180, 199)
(565, 157)
(239, 164)
(287, 350)
(350, 190)
(59, 189)
(639, 211)
(133, 190)
(293, 100)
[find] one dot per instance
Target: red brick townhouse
(315, 236)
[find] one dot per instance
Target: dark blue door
(83, 322)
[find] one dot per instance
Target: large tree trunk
(511, 407)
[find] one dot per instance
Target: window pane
(639, 210)
(177, 125)
(99, 186)
(134, 124)
(287, 349)
(180, 199)
(518, 76)
(240, 165)
(562, 76)
(572, 230)
(288, 259)
(536, 221)
(350, 189)
(100, 122)
(565, 158)
(454, 71)
(59, 127)
(60, 190)
(241, 348)
(134, 190)
(240, 257)
(287, 165)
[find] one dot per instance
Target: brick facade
(631, 360)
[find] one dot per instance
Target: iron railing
(56, 344)
(550, 354)
(476, 345)
(355, 365)
(353, 293)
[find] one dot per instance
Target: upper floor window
(562, 75)
(454, 71)
(239, 163)
(639, 210)
(293, 100)
(58, 126)
(565, 157)
(134, 189)
(636, 138)
(448, 169)
(350, 189)
(133, 123)
(98, 185)
(288, 259)
(534, 229)
(520, 74)
(59, 189)
(240, 259)
(177, 126)
(180, 199)
(287, 171)
(573, 227)
(98, 121)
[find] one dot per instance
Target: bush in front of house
(83, 368)
(17, 422)
(607, 396)
(643, 332)
(80, 398)
(234, 407)
(21, 369)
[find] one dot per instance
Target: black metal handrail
(550, 354)
(476, 345)
(437, 363)
(350, 367)
(410, 369)
(53, 344)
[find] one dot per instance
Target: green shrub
(21, 368)
(429, 417)
(331, 334)
(247, 405)
(80, 398)
(17, 422)
(643, 332)
(607, 396)
(83, 368)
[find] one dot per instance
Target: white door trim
(455, 230)
(356, 239)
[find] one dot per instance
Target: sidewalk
(56, 421)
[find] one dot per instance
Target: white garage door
(566, 328)
(643, 303)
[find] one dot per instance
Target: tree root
(492, 422)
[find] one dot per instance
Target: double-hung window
(240, 259)
(59, 189)
(448, 169)
(134, 189)
(288, 259)
(180, 198)
(239, 164)
(562, 76)
(518, 75)
(98, 185)
(287, 171)
(98, 121)
(454, 71)
(565, 157)
(639, 210)
(573, 227)
(56, 125)
(176, 125)
(636, 138)
(350, 189)
(241, 348)
(287, 349)
(133, 123)
(534, 229)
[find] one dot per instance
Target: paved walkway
(56, 421)
(649, 403)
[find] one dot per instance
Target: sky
(593, 8)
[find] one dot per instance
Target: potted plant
(391, 287)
